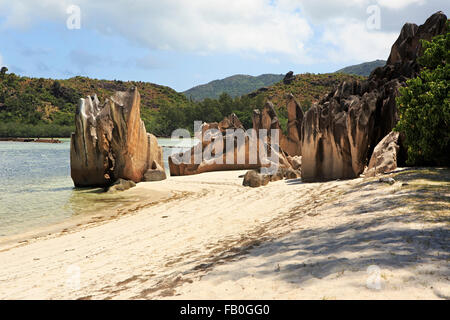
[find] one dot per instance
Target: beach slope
(212, 238)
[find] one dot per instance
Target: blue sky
(185, 43)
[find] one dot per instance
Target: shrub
(424, 106)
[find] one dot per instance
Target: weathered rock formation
(212, 152)
(267, 119)
(292, 143)
(296, 162)
(289, 77)
(340, 132)
(110, 142)
(215, 156)
(384, 156)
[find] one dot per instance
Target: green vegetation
(363, 69)
(35, 131)
(307, 88)
(45, 108)
(32, 107)
(208, 110)
(424, 106)
(234, 86)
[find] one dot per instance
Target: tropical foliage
(32, 107)
(234, 86)
(424, 106)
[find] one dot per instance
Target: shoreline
(39, 140)
(213, 238)
(87, 219)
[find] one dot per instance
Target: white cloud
(200, 26)
(22, 14)
(399, 4)
(298, 30)
(351, 41)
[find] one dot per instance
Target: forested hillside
(31, 107)
(363, 69)
(46, 107)
(234, 86)
(307, 88)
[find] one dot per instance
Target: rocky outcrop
(212, 150)
(267, 119)
(384, 156)
(110, 142)
(215, 155)
(292, 143)
(258, 91)
(340, 132)
(296, 162)
(289, 77)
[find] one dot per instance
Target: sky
(184, 43)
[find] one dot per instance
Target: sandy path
(217, 239)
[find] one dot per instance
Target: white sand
(214, 239)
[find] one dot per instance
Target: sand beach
(208, 237)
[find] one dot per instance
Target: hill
(235, 86)
(307, 88)
(31, 107)
(46, 107)
(363, 69)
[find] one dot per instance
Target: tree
(424, 106)
(56, 88)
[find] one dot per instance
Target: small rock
(155, 173)
(254, 179)
(292, 174)
(121, 185)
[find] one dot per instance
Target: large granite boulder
(340, 133)
(212, 150)
(384, 156)
(292, 143)
(110, 142)
(215, 154)
(267, 119)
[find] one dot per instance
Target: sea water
(36, 189)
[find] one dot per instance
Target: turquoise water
(36, 188)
